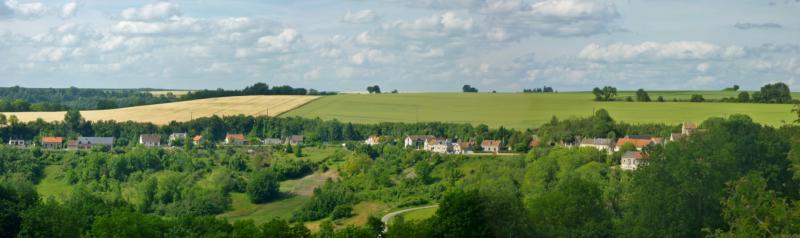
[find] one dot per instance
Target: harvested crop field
(162, 114)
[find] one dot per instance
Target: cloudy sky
(409, 45)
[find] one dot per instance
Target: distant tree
(289, 149)
(469, 89)
(374, 89)
(797, 110)
(73, 120)
(743, 97)
(342, 211)
(106, 104)
(735, 87)
(607, 93)
(263, 187)
(660, 99)
(697, 98)
(774, 93)
(628, 99)
(394, 91)
(642, 96)
(3, 119)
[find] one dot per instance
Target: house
(638, 143)
(271, 141)
(491, 145)
(294, 140)
(198, 139)
(632, 159)
(463, 147)
(598, 143)
(150, 140)
(688, 128)
(416, 140)
(373, 140)
(676, 136)
(17, 143)
(657, 140)
(536, 142)
(441, 146)
(177, 137)
(234, 139)
(52, 143)
(88, 142)
(430, 142)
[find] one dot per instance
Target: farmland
(516, 110)
(162, 114)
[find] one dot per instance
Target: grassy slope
(518, 110)
(420, 214)
(52, 185)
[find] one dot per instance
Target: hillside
(161, 114)
(517, 110)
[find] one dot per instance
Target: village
(630, 160)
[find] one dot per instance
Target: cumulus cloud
(26, 10)
(371, 56)
(282, 42)
(69, 9)
(750, 25)
(652, 51)
(552, 18)
(151, 12)
(360, 17)
(440, 25)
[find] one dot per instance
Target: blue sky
(409, 45)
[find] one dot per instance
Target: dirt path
(385, 219)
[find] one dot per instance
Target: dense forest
(256, 89)
(736, 178)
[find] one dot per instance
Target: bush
(697, 98)
(342, 211)
(263, 187)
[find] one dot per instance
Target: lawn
(420, 214)
(52, 185)
(517, 110)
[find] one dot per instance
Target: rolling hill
(161, 114)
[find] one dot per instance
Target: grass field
(420, 214)
(517, 110)
(162, 114)
(52, 185)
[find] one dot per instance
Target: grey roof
(295, 138)
(150, 138)
(95, 140)
(597, 141)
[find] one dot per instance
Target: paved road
(385, 219)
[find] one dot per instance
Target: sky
(408, 45)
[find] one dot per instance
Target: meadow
(520, 111)
(162, 114)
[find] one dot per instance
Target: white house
(150, 140)
(177, 137)
(598, 143)
(463, 148)
(416, 140)
(631, 160)
(491, 145)
(234, 139)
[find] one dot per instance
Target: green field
(420, 214)
(517, 110)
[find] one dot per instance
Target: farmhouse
(271, 141)
(294, 139)
(150, 140)
(416, 140)
(638, 143)
(177, 137)
(373, 140)
(441, 146)
(631, 160)
(598, 143)
(536, 142)
(491, 145)
(198, 139)
(234, 139)
(88, 142)
(463, 147)
(52, 143)
(17, 143)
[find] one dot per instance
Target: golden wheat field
(162, 114)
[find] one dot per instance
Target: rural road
(385, 219)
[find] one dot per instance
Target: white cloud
(360, 17)
(436, 26)
(702, 80)
(345, 72)
(365, 39)
(282, 42)
(703, 67)
(313, 74)
(151, 12)
(652, 51)
(371, 56)
(27, 10)
(69, 9)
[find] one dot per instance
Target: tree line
(255, 89)
(770, 93)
